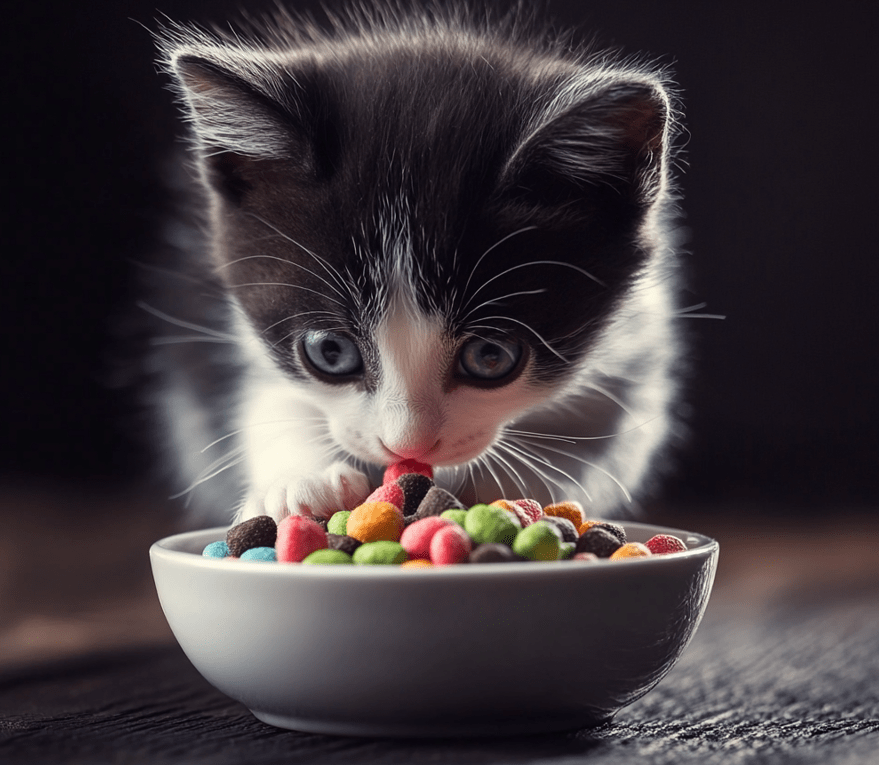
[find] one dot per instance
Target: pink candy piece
(389, 492)
(450, 545)
(393, 472)
(586, 557)
(528, 511)
(298, 537)
(416, 538)
(662, 544)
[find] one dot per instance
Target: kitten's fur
(410, 182)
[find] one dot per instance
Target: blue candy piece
(265, 554)
(216, 550)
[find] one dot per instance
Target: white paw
(338, 487)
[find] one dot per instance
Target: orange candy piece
(631, 550)
(416, 563)
(375, 522)
(573, 511)
(582, 528)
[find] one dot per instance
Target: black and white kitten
(429, 237)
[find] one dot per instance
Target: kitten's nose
(412, 451)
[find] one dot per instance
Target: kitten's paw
(338, 487)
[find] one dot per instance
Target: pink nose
(412, 450)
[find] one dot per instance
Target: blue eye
(489, 359)
(332, 353)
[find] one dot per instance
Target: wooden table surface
(783, 669)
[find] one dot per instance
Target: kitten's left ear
(615, 136)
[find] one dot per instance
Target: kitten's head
(426, 226)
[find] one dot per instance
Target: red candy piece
(298, 537)
(389, 492)
(661, 544)
(393, 472)
(417, 537)
(527, 510)
(450, 545)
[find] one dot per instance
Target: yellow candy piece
(571, 510)
(631, 550)
(375, 522)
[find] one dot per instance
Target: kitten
(425, 236)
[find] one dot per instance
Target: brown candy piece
(598, 541)
(494, 552)
(261, 531)
(565, 527)
(437, 501)
(614, 528)
(343, 542)
(415, 486)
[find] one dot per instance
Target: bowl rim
(167, 550)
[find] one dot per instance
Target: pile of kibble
(411, 522)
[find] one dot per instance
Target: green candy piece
(328, 557)
(487, 523)
(539, 541)
(380, 553)
(567, 550)
(338, 523)
(455, 515)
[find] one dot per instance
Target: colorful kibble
(414, 486)
(388, 492)
(539, 541)
(450, 545)
(410, 522)
(298, 537)
(528, 510)
(262, 554)
(343, 542)
(456, 515)
(631, 550)
(393, 472)
(380, 553)
(261, 531)
(663, 544)
(436, 502)
(599, 541)
(614, 528)
(416, 538)
(564, 526)
(375, 522)
(216, 550)
(573, 511)
(328, 557)
(338, 522)
(494, 552)
(487, 523)
(417, 563)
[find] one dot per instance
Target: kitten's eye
(332, 353)
(489, 359)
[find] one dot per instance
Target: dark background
(779, 170)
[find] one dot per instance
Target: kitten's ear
(615, 137)
(243, 113)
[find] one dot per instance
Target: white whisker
(526, 326)
(484, 254)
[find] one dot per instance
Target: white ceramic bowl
(459, 650)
